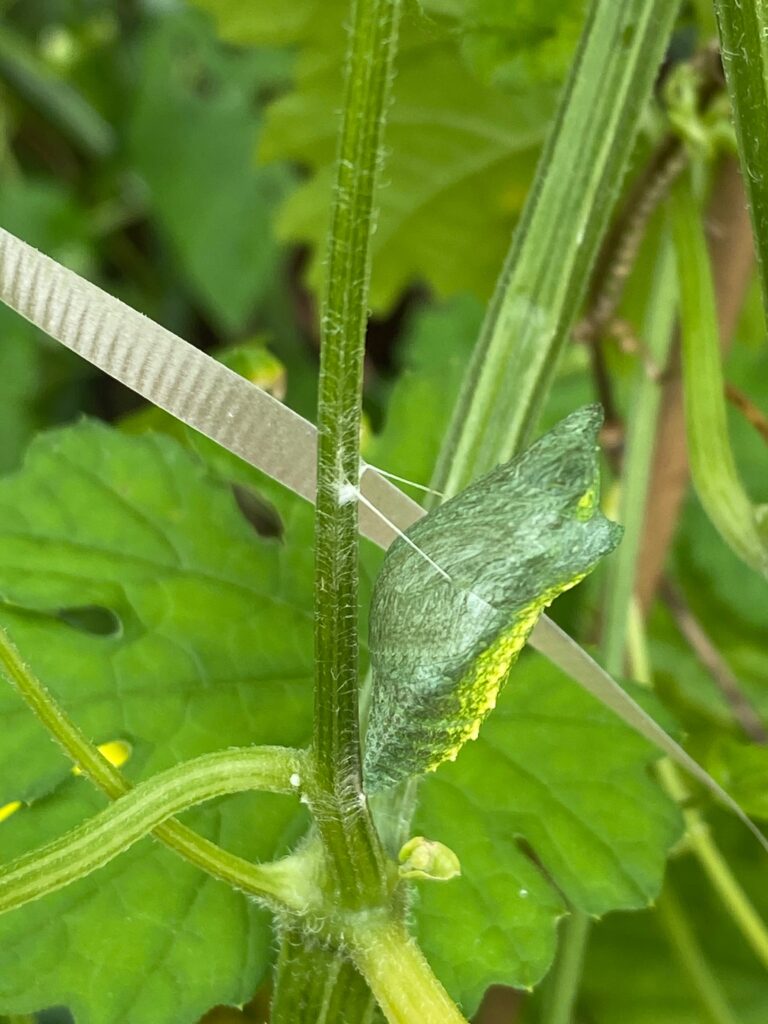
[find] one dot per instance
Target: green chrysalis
(452, 609)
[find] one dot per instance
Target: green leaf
(553, 803)
(452, 609)
(256, 25)
(743, 769)
(210, 646)
(56, 100)
(713, 466)
(511, 45)
(632, 974)
(459, 154)
(193, 132)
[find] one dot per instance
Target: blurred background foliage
(181, 156)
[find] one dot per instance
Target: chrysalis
(446, 625)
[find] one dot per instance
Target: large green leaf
(634, 975)
(553, 803)
(207, 643)
(513, 44)
(743, 768)
(459, 153)
(194, 128)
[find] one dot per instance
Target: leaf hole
(260, 513)
(92, 619)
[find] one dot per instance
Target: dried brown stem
(732, 256)
(619, 252)
(617, 258)
(621, 246)
(711, 659)
(756, 417)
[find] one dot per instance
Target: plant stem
(547, 271)
(657, 333)
(251, 878)
(698, 834)
(562, 988)
(621, 245)
(715, 664)
(344, 823)
(724, 882)
(399, 976)
(685, 946)
(732, 258)
(626, 631)
(713, 467)
(317, 985)
(702, 844)
(142, 809)
(743, 28)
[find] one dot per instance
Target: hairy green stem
(343, 820)
(743, 28)
(134, 815)
(227, 867)
(689, 956)
(547, 271)
(317, 984)
(399, 976)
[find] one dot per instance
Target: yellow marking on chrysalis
(478, 691)
(586, 504)
(116, 752)
(9, 809)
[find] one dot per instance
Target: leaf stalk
(142, 809)
(201, 852)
